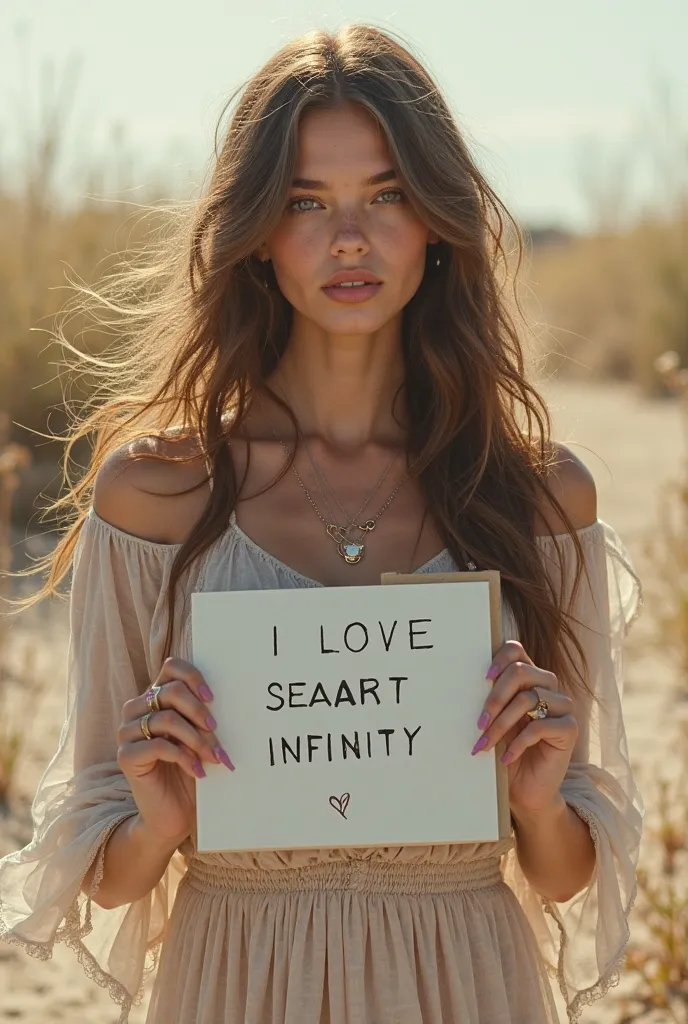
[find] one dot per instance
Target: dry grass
(667, 596)
(658, 964)
(10, 749)
(657, 960)
(666, 547)
(611, 304)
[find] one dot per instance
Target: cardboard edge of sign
(491, 577)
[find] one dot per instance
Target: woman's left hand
(538, 750)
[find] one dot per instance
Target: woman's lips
(352, 292)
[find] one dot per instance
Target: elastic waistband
(366, 876)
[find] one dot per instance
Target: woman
(329, 347)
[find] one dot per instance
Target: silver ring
(152, 697)
(541, 708)
(145, 728)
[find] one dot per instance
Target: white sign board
(350, 714)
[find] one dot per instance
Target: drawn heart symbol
(340, 803)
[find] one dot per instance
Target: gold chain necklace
(470, 564)
(351, 521)
(350, 550)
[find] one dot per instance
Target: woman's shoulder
(572, 484)
(137, 487)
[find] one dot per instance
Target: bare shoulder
(573, 485)
(136, 488)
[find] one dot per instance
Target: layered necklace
(351, 546)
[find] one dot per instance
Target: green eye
(396, 194)
(296, 207)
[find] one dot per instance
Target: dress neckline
(308, 580)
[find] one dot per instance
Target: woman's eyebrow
(376, 179)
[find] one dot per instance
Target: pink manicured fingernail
(507, 757)
(223, 756)
(198, 769)
(492, 672)
(480, 745)
(484, 721)
(205, 691)
(210, 722)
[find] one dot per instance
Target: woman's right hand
(162, 770)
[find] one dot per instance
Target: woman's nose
(349, 240)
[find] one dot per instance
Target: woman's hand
(537, 751)
(162, 770)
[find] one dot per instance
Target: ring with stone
(541, 707)
(152, 695)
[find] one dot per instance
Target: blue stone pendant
(351, 552)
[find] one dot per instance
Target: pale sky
(550, 94)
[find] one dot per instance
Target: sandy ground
(632, 447)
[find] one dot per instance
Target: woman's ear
(262, 253)
(433, 237)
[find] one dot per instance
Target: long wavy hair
(199, 333)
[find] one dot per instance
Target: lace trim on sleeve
(72, 932)
(611, 977)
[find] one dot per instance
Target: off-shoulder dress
(415, 935)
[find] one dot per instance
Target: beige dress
(415, 935)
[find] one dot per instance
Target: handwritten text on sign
(349, 692)
(350, 714)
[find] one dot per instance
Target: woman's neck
(342, 387)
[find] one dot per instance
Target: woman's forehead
(344, 142)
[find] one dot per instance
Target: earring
(438, 262)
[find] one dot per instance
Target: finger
(174, 694)
(172, 725)
(177, 668)
(174, 669)
(138, 759)
(560, 733)
(511, 651)
(512, 715)
(517, 676)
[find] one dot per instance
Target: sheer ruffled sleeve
(117, 620)
(583, 941)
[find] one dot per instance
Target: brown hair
(200, 333)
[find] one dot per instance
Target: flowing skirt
(357, 942)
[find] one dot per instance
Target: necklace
(319, 475)
(369, 525)
(350, 550)
(341, 535)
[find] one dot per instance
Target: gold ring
(541, 707)
(152, 698)
(145, 729)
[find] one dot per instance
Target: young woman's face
(347, 217)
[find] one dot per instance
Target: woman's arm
(555, 850)
(135, 861)
(554, 846)
(161, 768)
(583, 939)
